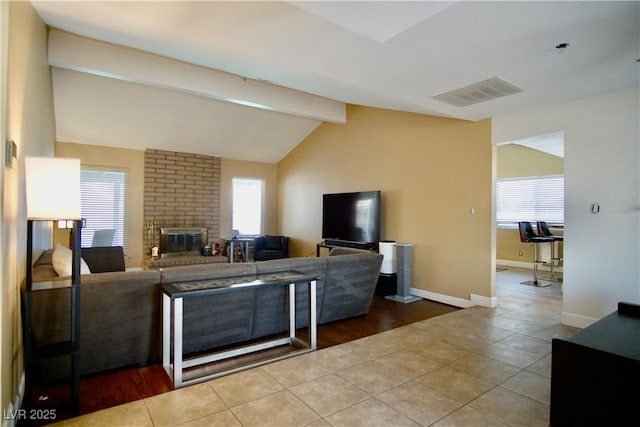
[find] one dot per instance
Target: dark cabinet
(595, 374)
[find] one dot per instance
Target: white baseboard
(455, 301)
(515, 264)
(445, 299)
(576, 320)
(524, 264)
(482, 301)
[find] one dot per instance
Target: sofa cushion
(43, 273)
(117, 329)
(308, 265)
(339, 250)
(102, 259)
(44, 259)
(120, 322)
(190, 273)
(62, 260)
(43, 267)
(350, 285)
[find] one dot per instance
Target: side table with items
(239, 250)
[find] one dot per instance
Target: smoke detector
(486, 90)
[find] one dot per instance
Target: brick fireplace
(180, 190)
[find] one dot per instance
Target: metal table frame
(172, 314)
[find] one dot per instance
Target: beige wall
(431, 172)
(242, 169)
(30, 123)
(122, 158)
(518, 161)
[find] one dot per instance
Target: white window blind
(247, 205)
(530, 199)
(103, 200)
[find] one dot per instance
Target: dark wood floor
(113, 388)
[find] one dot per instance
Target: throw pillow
(61, 260)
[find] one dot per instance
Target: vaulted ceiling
(250, 80)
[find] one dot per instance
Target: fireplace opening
(180, 241)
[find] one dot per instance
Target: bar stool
(527, 235)
(543, 230)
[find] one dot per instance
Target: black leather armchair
(270, 247)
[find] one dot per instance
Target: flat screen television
(351, 217)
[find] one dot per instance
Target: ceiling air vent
(486, 90)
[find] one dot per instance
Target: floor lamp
(52, 194)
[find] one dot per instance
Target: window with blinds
(248, 200)
(530, 199)
(103, 201)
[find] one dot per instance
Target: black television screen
(352, 217)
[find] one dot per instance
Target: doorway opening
(530, 187)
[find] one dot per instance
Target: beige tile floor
(473, 367)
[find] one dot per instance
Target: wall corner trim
(481, 300)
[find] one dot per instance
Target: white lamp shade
(53, 188)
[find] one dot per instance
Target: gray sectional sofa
(121, 316)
